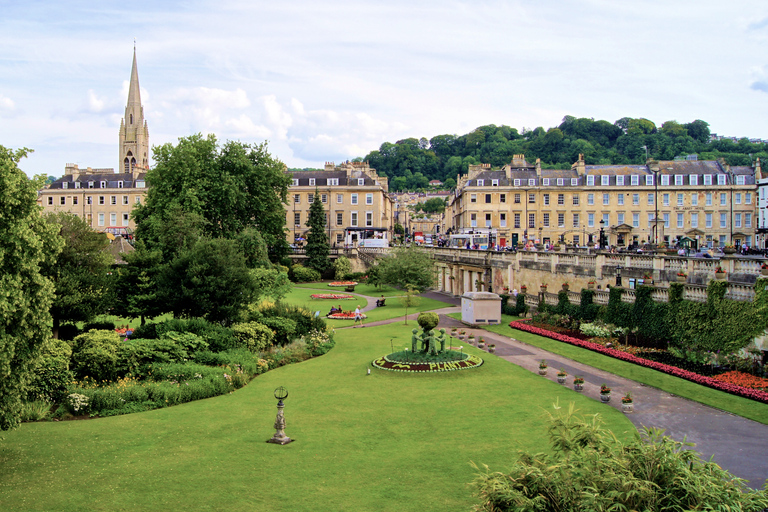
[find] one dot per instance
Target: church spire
(134, 134)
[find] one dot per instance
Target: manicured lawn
(719, 399)
(394, 307)
(388, 441)
(362, 289)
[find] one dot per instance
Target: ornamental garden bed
(722, 383)
(346, 315)
(398, 364)
(333, 296)
(340, 284)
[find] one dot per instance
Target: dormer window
(517, 183)
(531, 183)
(649, 179)
(64, 184)
(707, 179)
(480, 183)
(665, 179)
(360, 182)
(590, 181)
(560, 182)
(678, 180)
(619, 181)
(635, 180)
(721, 179)
(545, 182)
(77, 184)
(311, 182)
(103, 184)
(119, 184)
(605, 180)
(333, 181)
(140, 184)
(494, 183)
(574, 182)
(740, 180)
(90, 184)
(294, 182)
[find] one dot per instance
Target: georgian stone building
(103, 197)
(706, 203)
(355, 199)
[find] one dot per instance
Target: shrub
(94, 354)
(68, 332)
(35, 411)
(135, 354)
(218, 337)
(653, 472)
(302, 274)
(342, 267)
(428, 320)
(253, 336)
(146, 331)
(305, 319)
(284, 328)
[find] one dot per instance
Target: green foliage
(411, 300)
(588, 311)
(284, 328)
(317, 248)
(270, 282)
(428, 320)
(81, 273)
(103, 325)
(209, 280)
(305, 320)
(564, 306)
(199, 188)
(302, 274)
(51, 374)
(342, 266)
(653, 472)
(254, 248)
(375, 276)
(408, 267)
(253, 336)
(137, 289)
(95, 355)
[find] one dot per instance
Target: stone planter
(720, 276)
(682, 279)
(471, 341)
(729, 250)
(461, 337)
(565, 287)
(590, 286)
(561, 380)
(578, 387)
(481, 345)
(627, 408)
(605, 398)
(542, 371)
(543, 289)
(764, 271)
(491, 350)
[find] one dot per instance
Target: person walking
(358, 316)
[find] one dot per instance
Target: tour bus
(477, 239)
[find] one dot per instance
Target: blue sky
(332, 80)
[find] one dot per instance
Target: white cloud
(95, 103)
(244, 127)
(6, 104)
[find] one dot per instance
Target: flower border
(346, 317)
(757, 395)
(334, 296)
(383, 363)
(342, 283)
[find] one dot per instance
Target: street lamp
(602, 233)
(656, 204)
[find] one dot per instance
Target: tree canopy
(411, 163)
(407, 267)
(27, 242)
(317, 249)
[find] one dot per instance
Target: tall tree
(231, 187)
(317, 249)
(27, 242)
(408, 267)
(81, 272)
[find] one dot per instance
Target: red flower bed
(342, 283)
(334, 296)
(345, 315)
(713, 382)
(744, 380)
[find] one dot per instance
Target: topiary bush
(428, 320)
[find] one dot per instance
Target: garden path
(736, 444)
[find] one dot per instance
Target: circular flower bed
(334, 296)
(345, 315)
(384, 363)
(342, 283)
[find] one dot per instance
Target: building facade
(705, 203)
(103, 197)
(355, 199)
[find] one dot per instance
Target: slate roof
(110, 178)
(321, 177)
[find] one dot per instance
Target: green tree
(137, 288)
(342, 266)
(209, 280)
(410, 300)
(81, 273)
(408, 266)
(317, 249)
(27, 242)
(230, 187)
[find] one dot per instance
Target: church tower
(134, 134)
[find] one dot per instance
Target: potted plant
(453, 332)
(682, 277)
(647, 279)
(561, 375)
(605, 393)
(729, 249)
(471, 339)
(591, 284)
(566, 286)
(719, 273)
(543, 367)
(578, 383)
(481, 342)
(491, 348)
(543, 287)
(627, 403)
(462, 334)
(523, 289)
(764, 269)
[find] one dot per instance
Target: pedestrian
(358, 316)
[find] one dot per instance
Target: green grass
(714, 398)
(394, 309)
(388, 441)
(362, 289)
